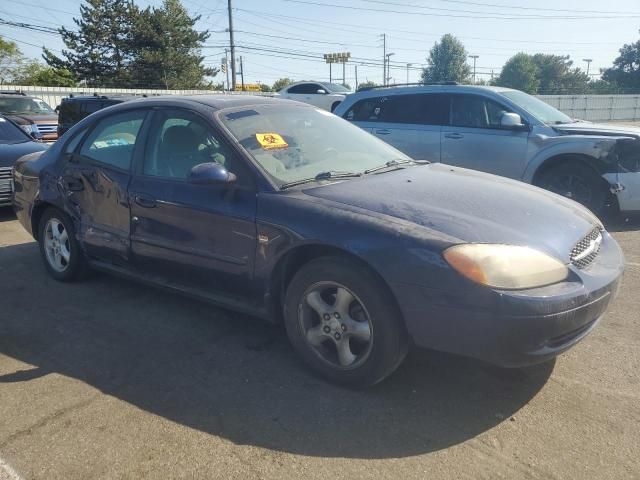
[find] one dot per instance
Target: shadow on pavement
(237, 377)
(6, 214)
(624, 223)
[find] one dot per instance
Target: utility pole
(408, 66)
(330, 73)
(226, 68)
(356, 87)
(388, 61)
(384, 59)
(242, 73)
(343, 68)
(588, 60)
(475, 57)
(233, 48)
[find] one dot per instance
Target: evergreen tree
(101, 49)
(168, 49)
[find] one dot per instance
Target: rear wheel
(577, 182)
(59, 248)
(344, 322)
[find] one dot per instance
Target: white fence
(597, 108)
(586, 107)
(54, 95)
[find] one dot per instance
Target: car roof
(216, 101)
(449, 88)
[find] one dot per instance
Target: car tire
(60, 250)
(344, 322)
(579, 182)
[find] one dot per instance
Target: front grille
(5, 186)
(587, 249)
(47, 128)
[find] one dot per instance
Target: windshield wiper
(395, 163)
(329, 175)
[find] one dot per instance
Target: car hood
(469, 206)
(10, 152)
(588, 128)
(22, 119)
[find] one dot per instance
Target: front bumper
(515, 328)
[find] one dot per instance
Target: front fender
(598, 151)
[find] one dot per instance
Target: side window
(312, 88)
(417, 109)
(73, 143)
(182, 140)
(113, 139)
(366, 110)
(296, 88)
(476, 112)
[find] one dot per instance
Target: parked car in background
(14, 143)
(74, 108)
(321, 94)
(32, 114)
(505, 132)
(286, 211)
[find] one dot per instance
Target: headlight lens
(505, 266)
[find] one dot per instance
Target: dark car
(14, 143)
(74, 108)
(285, 211)
(32, 114)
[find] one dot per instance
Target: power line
(450, 15)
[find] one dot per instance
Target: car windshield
(334, 87)
(540, 110)
(25, 106)
(293, 143)
(9, 133)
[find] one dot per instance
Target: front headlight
(505, 266)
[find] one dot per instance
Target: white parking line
(633, 264)
(8, 473)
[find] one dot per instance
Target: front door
(198, 236)
(474, 138)
(96, 179)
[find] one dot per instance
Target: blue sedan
(287, 212)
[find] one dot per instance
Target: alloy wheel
(57, 245)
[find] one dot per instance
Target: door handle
(145, 201)
(383, 131)
(453, 136)
(72, 183)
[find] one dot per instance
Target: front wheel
(59, 248)
(577, 182)
(344, 322)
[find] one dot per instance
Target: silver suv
(505, 132)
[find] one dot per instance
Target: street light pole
(408, 66)
(588, 60)
(475, 57)
(232, 47)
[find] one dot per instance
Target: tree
(447, 62)
(100, 51)
(167, 49)
(265, 88)
(626, 68)
(520, 72)
(281, 83)
(34, 73)
(367, 84)
(11, 60)
(556, 75)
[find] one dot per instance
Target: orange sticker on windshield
(270, 141)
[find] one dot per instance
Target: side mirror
(210, 173)
(512, 121)
(321, 91)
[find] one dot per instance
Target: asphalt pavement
(110, 379)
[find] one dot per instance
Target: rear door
(96, 180)
(412, 123)
(198, 236)
(474, 138)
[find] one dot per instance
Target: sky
(287, 38)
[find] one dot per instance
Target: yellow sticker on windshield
(270, 141)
